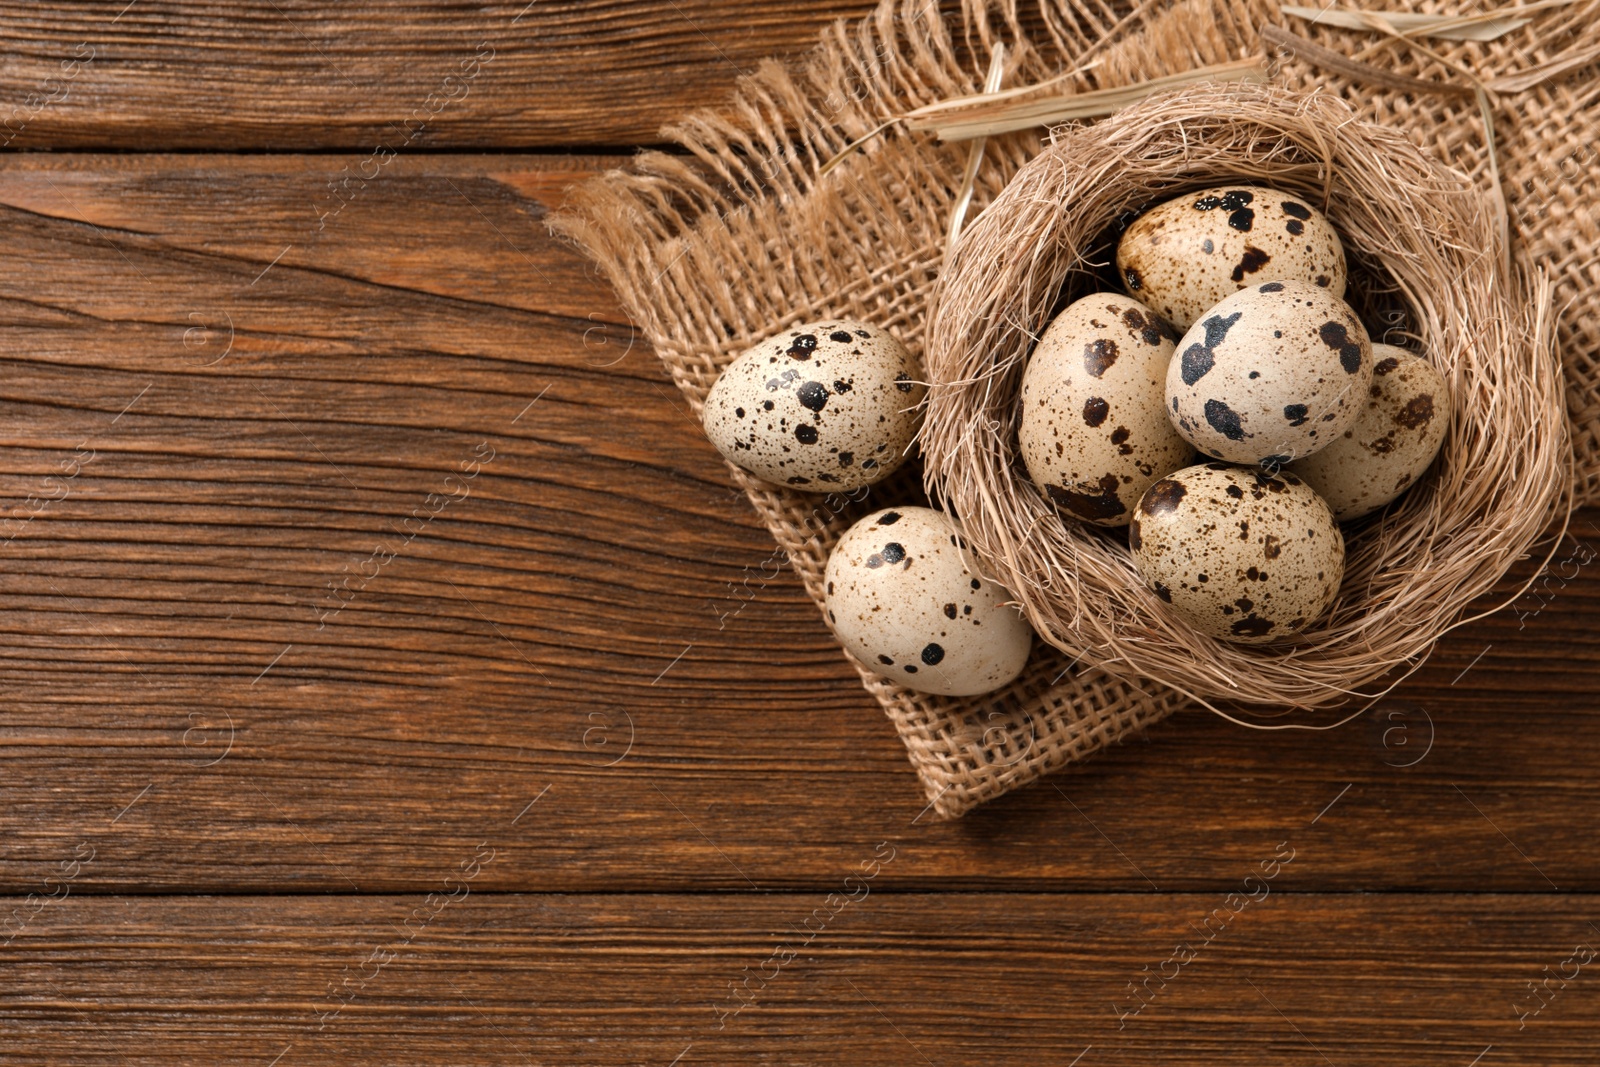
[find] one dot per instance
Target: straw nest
(1429, 268)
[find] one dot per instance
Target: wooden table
(372, 693)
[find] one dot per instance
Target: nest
(1429, 268)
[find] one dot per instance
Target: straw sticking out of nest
(974, 116)
(1478, 26)
(1422, 242)
(992, 113)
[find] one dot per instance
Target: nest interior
(1429, 263)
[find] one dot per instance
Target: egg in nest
(1094, 432)
(1185, 255)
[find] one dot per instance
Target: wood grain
(595, 613)
(300, 75)
(1285, 979)
(389, 673)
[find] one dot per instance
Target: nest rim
(1421, 240)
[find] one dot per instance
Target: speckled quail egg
(903, 596)
(1391, 442)
(823, 407)
(1272, 373)
(1094, 432)
(1185, 255)
(1239, 553)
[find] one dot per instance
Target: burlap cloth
(714, 247)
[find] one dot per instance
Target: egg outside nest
(904, 596)
(824, 407)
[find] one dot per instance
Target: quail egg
(1239, 553)
(1391, 442)
(903, 596)
(1271, 374)
(1094, 432)
(822, 407)
(1185, 255)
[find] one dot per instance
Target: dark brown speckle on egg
(1252, 262)
(1416, 413)
(1163, 497)
(1099, 355)
(1088, 504)
(812, 395)
(1224, 420)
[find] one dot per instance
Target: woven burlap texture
(735, 238)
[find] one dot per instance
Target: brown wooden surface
(891, 978)
(410, 75)
(222, 382)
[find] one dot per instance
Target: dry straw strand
(1365, 73)
(1477, 26)
(969, 177)
(960, 120)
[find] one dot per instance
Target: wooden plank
(298, 75)
(594, 612)
(1268, 978)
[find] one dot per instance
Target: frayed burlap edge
(712, 251)
(715, 249)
